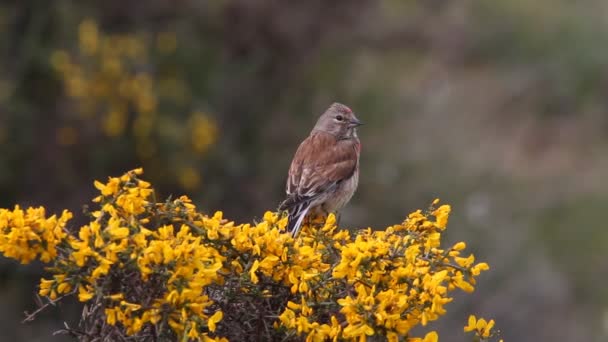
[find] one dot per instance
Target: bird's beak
(355, 123)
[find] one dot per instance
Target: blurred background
(496, 107)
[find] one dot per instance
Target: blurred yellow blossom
(189, 178)
(166, 42)
(115, 81)
(89, 36)
(204, 132)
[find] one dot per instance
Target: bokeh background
(497, 107)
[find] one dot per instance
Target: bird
(324, 172)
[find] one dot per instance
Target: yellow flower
(358, 330)
(84, 293)
(459, 246)
(108, 189)
(193, 332)
(102, 269)
(118, 232)
(472, 324)
(441, 214)
(45, 287)
(465, 262)
(429, 337)
(269, 263)
(487, 329)
(64, 288)
(117, 296)
(482, 328)
(254, 277)
(477, 269)
(110, 316)
(288, 318)
(213, 320)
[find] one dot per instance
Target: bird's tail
(297, 212)
(295, 221)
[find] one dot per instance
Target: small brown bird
(324, 173)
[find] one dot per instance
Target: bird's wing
(319, 164)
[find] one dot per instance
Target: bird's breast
(343, 193)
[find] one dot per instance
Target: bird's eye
(339, 118)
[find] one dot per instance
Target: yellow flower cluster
(116, 243)
(166, 269)
(28, 235)
(481, 327)
(383, 281)
(122, 81)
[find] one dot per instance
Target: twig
(30, 316)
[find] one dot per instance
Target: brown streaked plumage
(324, 173)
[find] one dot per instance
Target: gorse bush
(164, 271)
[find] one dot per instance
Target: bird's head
(338, 120)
